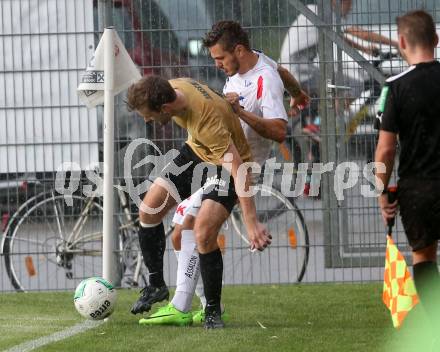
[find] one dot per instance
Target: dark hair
(418, 28)
(151, 91)
(227, 33)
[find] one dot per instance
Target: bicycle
(48, 245)
(359, 117)
(361, 113)
(287, 257)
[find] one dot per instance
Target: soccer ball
(95, 298)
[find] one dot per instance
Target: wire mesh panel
(347, 92)
(44, 44)
(51, 241)
(362, 235)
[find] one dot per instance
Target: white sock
(201, 294)
(188, 272)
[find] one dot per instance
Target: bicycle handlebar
(381, 56)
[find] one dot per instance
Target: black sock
(211, 269)
(427, 281)
(152, 243)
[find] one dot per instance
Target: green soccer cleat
(168, 315)
(199, 317)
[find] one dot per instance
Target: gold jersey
(210, 121)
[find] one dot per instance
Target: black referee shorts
(218, 183)
(419, 202)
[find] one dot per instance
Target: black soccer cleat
(213, 319)
(149, 296)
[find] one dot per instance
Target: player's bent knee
(148, 219)
(206, 236)
(426, 254)
(176, 237)
(189, 222)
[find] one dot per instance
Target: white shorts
(190, 205)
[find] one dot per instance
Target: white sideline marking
(55, 337)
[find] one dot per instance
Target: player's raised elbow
(281, 136)
(281, 133)
(278, 135)
(276, 130)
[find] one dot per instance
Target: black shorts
(419, 202)
(218, 183)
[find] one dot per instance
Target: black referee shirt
(410, 103)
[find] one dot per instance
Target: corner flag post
(110, 72)
(108, 242)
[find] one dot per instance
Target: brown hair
(418, 28)
(151, 91)
(227, 33)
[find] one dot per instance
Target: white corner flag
(91, 87)
(110, 72)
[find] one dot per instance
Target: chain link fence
(45, 45)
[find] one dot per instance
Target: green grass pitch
(330, 317)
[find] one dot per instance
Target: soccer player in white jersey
(255, 88)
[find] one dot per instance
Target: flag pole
(392, 196)
(110, 72)
(109, 259)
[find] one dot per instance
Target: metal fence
(46, 44)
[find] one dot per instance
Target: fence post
(341, 142)
(329, 142)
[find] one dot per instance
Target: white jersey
(261, 92)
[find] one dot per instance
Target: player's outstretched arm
(370, 36)
(299, 98)
(259, 237)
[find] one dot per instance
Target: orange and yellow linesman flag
(399, 291)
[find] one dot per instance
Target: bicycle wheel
(288, 255)
(134, 271)
(50, 245)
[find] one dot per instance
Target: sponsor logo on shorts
(214, 181)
